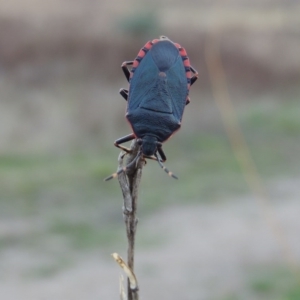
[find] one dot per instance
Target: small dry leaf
(127, 270)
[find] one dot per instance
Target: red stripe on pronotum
(148, 45)
(186, 63)
(141, 53)
(135, 64)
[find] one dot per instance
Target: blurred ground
(208, 251)
(60, 111)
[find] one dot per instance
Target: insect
(159, 81)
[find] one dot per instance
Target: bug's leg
(150, 157)
(125, 69)
(124, 169)
(192, 81)
(124, 93)
(187, 101)
(195, 76)
(124, 139)
(161, 152)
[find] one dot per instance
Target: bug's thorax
(148, 145)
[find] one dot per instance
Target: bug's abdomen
(147, 122)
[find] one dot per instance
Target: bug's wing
(177, 88)
(142, 83)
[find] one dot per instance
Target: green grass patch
(83, 235)
(275, 284)
(273, 133)
(282, 118)
(47, 270)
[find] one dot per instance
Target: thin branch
(129, 184)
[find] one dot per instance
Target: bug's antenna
(165, 169)
(114, 175)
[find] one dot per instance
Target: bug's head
(148, 144)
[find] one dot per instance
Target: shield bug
(159, 81)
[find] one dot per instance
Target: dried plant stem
(240, 146)
(129, 184)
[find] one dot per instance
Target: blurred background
(208, 235)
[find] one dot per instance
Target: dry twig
(129, 183)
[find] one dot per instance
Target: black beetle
(159, 81)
